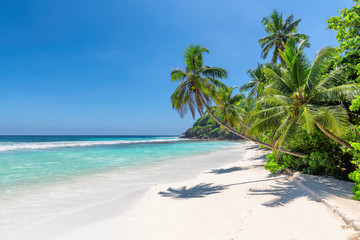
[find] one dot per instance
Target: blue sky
(103, 67)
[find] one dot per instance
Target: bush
(271, 164)
(355, 175)
(205, 127)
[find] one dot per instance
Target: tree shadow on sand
(226, 170)
(204, 189)
(283, 191)
(234, 169)
(198, 191)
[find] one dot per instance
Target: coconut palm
(279, 32)
(228, 109)
(196, 82)
(231, 110)
(304, 97)
(197, 88)
(258, 81)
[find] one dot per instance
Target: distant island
(205, 128)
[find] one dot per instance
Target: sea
(43, 177)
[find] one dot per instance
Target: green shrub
(355, 175)
(271, 164)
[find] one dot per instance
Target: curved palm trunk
(332, 136)
(283, 64)
(281, 48)
(247, 127)
(296, 154)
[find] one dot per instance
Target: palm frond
(177, 74)
(333, 118)
(213, 72)
(267, 124)
(307, 119)
(339, 93)
(287, 22)
(248, 86)
(266, 49)
(317, 69)
(292, 26)
(278, 83)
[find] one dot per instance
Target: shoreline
(236, 201)
(60, 225)
(177, 169)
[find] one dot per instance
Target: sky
(103, 67)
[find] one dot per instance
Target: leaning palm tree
(279, 32)
(304, 97)
(227, 108)
(197, 89)
(229, 111)
(198, 82)
(258, 81)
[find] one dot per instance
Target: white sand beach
(240, 200)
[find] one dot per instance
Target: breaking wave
(11, 146)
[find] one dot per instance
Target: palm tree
(197, 88)
(304, 96)
(229, 111)
(279, 32)
(227, 108)
(258, 81)
(197, 82)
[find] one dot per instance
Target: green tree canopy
(347, 27)
(228, 108)
(196, 82)
(279, 32)
(304, 96)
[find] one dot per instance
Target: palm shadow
(204, 189)
(234, 169)
(226, 170)
(284, 192)
(199, 191)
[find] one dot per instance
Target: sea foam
(12, 146)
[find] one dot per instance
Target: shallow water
(44, 177)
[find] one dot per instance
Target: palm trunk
(296, 154)
(332, 136)
(247, 127)
(281, 48)
(283, 64)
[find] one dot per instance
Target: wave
(45, 145)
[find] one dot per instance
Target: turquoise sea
(27, 160)
(62, 174)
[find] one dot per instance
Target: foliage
(228, 108)
(257, 80)
(347, 27)
(303, 96)
(204, 128)
(279, 32)
(325, 156)
(272, 164)
(197, 82)
(355, 175)
(299, 105)
(355, 104)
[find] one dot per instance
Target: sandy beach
(240, 200)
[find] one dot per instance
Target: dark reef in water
(206, 128)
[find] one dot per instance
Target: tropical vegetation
(279, 32)
(306, 112)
